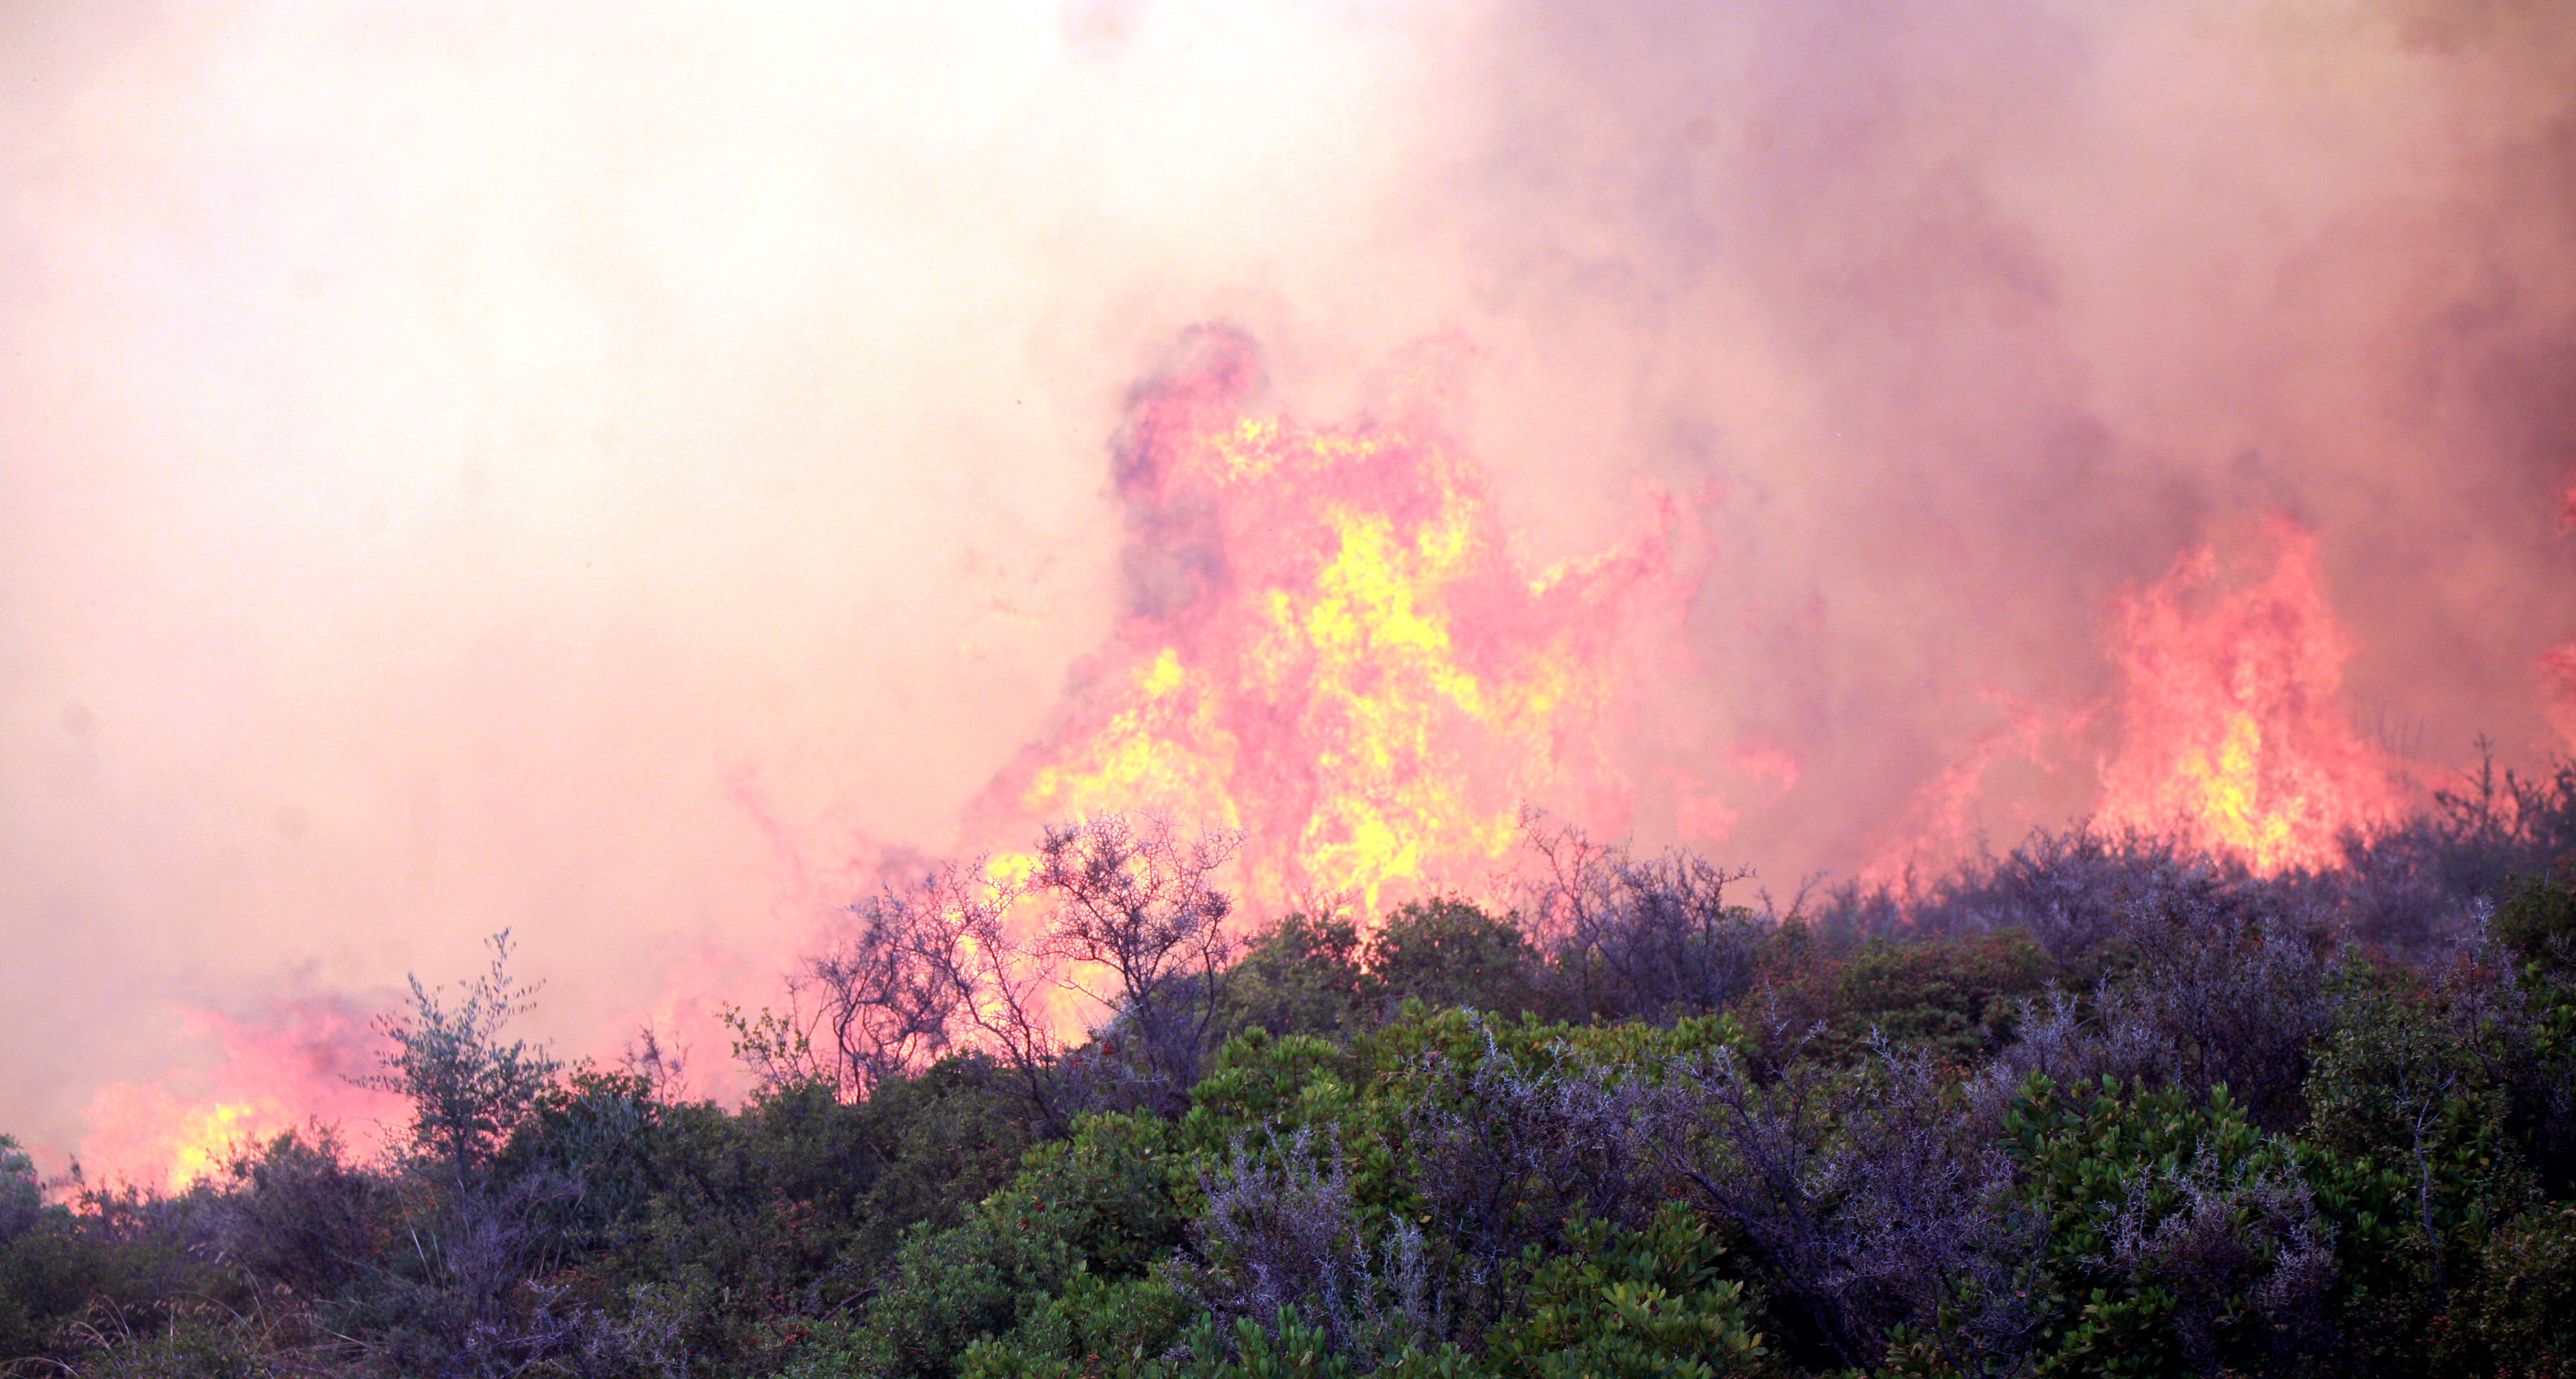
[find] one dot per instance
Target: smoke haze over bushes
(2105, 1103)
(628, 474)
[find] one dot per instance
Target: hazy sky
(619, 471)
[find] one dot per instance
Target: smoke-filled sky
(619, 472)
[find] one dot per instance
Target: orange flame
(2232, 723)
(292, 1065)
(1946, 820)
(1334, 652)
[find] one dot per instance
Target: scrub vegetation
(2096, 1105)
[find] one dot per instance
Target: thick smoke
(621, 472)
(1988, 312)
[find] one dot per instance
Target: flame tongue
(2233, 726)
(1334, 652)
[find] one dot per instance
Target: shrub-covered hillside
(2095, 1106)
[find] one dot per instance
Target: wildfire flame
(1334, 652)
(1331, 651)
(1945, 821)
(2233, 727)
(291, 1066)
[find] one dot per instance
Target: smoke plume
(631, 474)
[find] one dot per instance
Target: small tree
(468, 1089)
(1447, 952)
(22, 1193)
(1635, 938)
(931, 967)
(1139, 903)
(960, 937)
(1131, 920)
(483, 1229)
(888, 998)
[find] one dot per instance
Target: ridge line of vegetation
(2097, 1105)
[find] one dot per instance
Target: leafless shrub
(1274, 1226)
(2074, 1042)
(2240, 1253)
(1279, 1231)
(1140, 905)
(550, 1332)
(2241, 998)
(1510, 1150)
(2427, 883)
(1935, 1216)
(1862, 1198)
(2410, 888)
(2215, 998)
(1640, 938)
(2076, 890)
(480, 1248)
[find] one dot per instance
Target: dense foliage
(2095, 1106)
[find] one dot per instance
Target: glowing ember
(1334, 652)
(2232, 724)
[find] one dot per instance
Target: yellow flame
(2234, 728)
(1372, 652)
(1011, 871)
(1365, 685)
(207, 1136)
(2224, 788)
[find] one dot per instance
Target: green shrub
(1094, 1327)
(109, 1275)
(2538, 922)
(296, 1214)
(1101, 1204)
(2521, 1320)
(1629, 1305)
(1952, 996)
(2180, 1239)
(1450, 953)
(2420, 1138)
(1301, 975)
